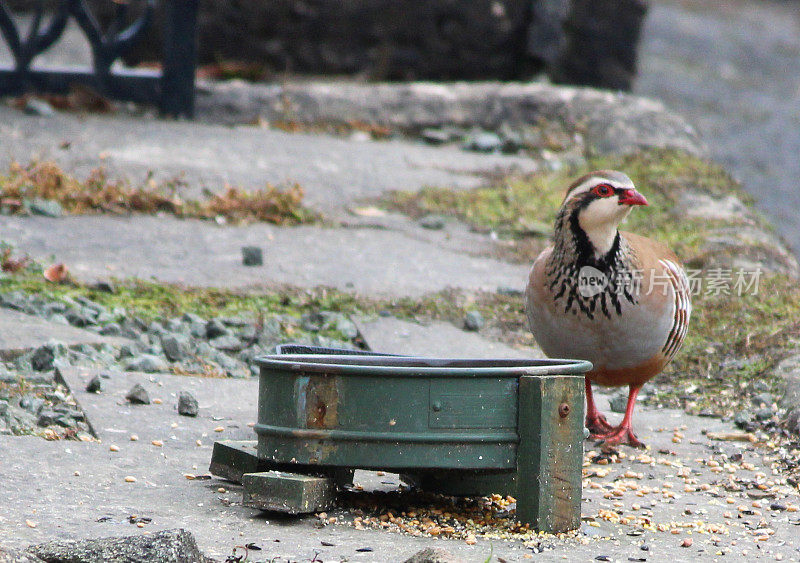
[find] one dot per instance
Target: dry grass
(99, 194)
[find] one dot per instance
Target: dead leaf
(368, 211)
(56, 273)
(732, 436)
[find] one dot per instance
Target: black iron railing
(171, 88)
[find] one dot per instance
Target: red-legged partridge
(614, 298)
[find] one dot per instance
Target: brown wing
(655, 255)
(683, 307)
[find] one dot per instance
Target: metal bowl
(394, 412)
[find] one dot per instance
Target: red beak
(632, 197)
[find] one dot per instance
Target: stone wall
(588, 42)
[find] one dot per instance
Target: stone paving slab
(436, 340)
(367, 261)
(733, 69)
(20, 333)
(332, 170)
(40, 484)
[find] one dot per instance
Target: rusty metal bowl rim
(422, 366)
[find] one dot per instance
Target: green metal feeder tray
(457, 426)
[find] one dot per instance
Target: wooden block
(291, 493)
(231, 459)
(550, 452)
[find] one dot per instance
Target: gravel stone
(167, 546)
(474, 321)
(58, 318)
(53, 307)
(42, 359)
(147, 363)
(792, 421)
(127, 350)
(95, 385)
(743, 419)
(93, 305)
(763, 398)
(433, 555)
(234, 322)
(252, 256)
(484, 142)
(312, 322)
(31, 404)
(39, 108)
(228, 343)
(509, 291)
(215, 328)
(193, 318)
(176, 347)
(156, 329)
(197, 329)
(47, 418)
(618, 403)
(432, 222)
(248, 333)
(436, 136)
(104, 317)
(138, 395)
(764, 413)
(187, 404)
(760, 386)
(79, 318)
(270, 334)
(231, 367)
(111, 329)
(346, 327)
(8, 555)
(176, 325)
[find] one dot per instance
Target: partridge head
(619, 300)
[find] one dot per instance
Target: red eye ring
(603, 190)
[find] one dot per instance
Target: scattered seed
(219, 429)
(157, 443)
(113, 448)
(687, 542)
(31, 523)
(134, 438)
(130, 479)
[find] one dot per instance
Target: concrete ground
(67, 490)
(732, 68)
(396, 262)
(333, 171)
(378, 255)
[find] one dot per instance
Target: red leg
(623, 434)
(595, 422)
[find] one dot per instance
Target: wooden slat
(550, 452)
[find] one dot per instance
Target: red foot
(598, 425)
(620, 435)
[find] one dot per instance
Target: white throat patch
(600, 219)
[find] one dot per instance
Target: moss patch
(98, 194)
(521, 210)
(733, 340)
